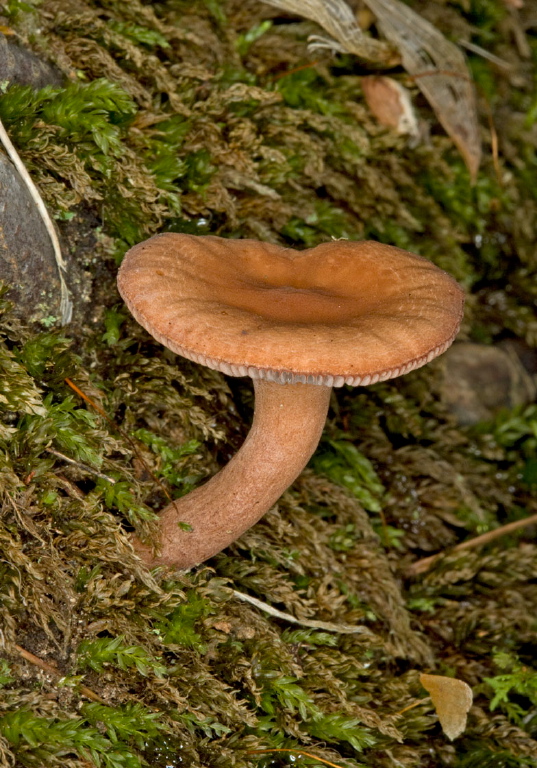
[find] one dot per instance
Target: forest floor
(212, 117)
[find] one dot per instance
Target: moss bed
(212, 117)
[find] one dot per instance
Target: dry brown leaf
(391, 104)
(338, 20)
(440, 71)
(438, 66)
(452, 699)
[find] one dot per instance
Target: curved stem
(287, 425)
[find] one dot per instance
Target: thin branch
(342, 629)
(423, 565)
(83, 467)
(297, 752)
(51, 670)
(502, 63)
(66, 305)
(425, 700)
(69, 487)
(24, 519)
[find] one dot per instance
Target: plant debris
(452, 699)
(213, 116)
(437, 65)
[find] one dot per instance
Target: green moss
(203, 117)
(343, 463)
(139, 34)
(179, 627)
(307, 89)
(244, 41)
(515, 680)
(325, 220)
(477, 755)
(515, 431)
(485, 15)
(97, 654)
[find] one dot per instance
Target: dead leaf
(438, 66)
(440, 72)
(391, 104)
(336, 17)
(452, 699)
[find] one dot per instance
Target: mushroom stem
(287, 425)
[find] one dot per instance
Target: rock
(18, 65)
(27, 261)
(479, 379)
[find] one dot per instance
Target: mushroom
(298, 323)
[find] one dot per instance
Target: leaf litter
(437, 65)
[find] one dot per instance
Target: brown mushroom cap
(340, 313)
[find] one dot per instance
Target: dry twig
(327, 626)
(51, 670)
(423, 565)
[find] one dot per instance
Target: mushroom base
(287, 425)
